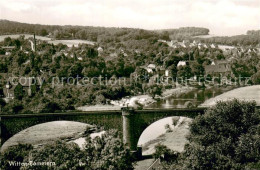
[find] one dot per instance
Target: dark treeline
(96, 33)
(251, 38)
(234, 40)
(104, 34)
(185, 32)
(253, 32)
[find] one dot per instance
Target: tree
(43, 32)
(1, 91)
(17, 43)
(8, 41)
(165, 154)
(256, 78)
(100, 99)
(65, 155)
(33, 90)
(51, 107)
(108, 152)
(225, 137)
(3, 68)
(18, 92)
(75, 70)
(2, 104)
(184, 72)
(155, 90)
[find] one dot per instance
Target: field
(175, 140)
(46, 132)
(69, 43)
(249, 93)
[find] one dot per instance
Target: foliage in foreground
(105, 152)
(227, 136)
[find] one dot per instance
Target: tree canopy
(227, 136)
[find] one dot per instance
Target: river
(196, 97)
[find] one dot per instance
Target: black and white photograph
(129, 84)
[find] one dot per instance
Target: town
(107, 97)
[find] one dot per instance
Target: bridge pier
(128, 132)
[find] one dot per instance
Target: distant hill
(58, 31)
(108, 34)
(92, 33)
(253, 32)
(12, 27)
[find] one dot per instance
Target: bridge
(131, 123)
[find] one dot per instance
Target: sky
(222, 17)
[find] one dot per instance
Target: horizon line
(122, 27)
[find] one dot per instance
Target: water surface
(196, 97)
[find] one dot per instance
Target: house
(164, 41)
(100, 49)
(168, 73)
(9, 91)
(212, 46)
(181, 63)
(26, 84)
(137, 52)
(213, 63)
(7, 53)
(182, 44)
(218, 67)
(151, 66)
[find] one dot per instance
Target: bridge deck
(102, 112)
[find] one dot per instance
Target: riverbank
(146, 100)
(99, 107)
(177, 91)
(139, 101)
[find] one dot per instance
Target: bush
(165, 154)
(168, 128)
(175, 120)
(14, 154)
(105, 152)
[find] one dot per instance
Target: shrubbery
(105, 152)
(227, 136)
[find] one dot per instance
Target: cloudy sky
(222, 17)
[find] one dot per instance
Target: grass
(42, 133)
(249, 93)
(143, 164)
(174, 140)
